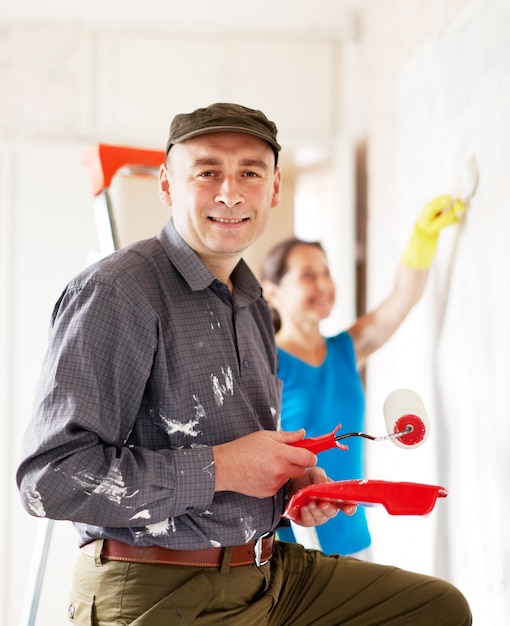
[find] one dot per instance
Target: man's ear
(164, 186)
(275, 200)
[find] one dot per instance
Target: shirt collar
(193, 270)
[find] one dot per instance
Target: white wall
(47, 222)
(470, 340)
(453, 101)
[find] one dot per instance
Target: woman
(321, 383)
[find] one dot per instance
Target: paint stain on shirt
(214, 323)
(247, 528)
(161, 528)
(142, 515)
(199, 409)
(208, 468)
(112, 485)
(277, 418)
(174, 426)
(223, 388)
(34, 501)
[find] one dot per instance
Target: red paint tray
(398, 498)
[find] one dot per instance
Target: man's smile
(225, 220)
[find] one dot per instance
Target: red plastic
(319, 444)
(104, 161)
(399, 498)
(416, 435)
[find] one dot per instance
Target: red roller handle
(319, 444)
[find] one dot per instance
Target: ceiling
(333, 18)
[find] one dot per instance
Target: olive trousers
(296, 587)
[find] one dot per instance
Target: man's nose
(229, 192)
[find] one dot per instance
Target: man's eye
(251, 174)
(207, 174)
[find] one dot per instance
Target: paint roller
(467, 181)
(407, 425)
(406, 418)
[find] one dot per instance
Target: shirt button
(245, 363)
(71, 612)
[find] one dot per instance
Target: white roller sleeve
(397, 406)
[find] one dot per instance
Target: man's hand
(316, 512)
(260, 463)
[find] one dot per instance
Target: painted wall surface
(454, 99)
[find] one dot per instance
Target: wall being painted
(453, 99)
(461, 103)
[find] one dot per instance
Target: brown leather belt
(257, 552)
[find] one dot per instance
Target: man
(154, 427)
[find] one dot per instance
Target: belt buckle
(257, 550)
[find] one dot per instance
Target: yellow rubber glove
(438, 213)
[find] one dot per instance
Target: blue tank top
(318, 398)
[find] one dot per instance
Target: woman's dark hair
(275, 266)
